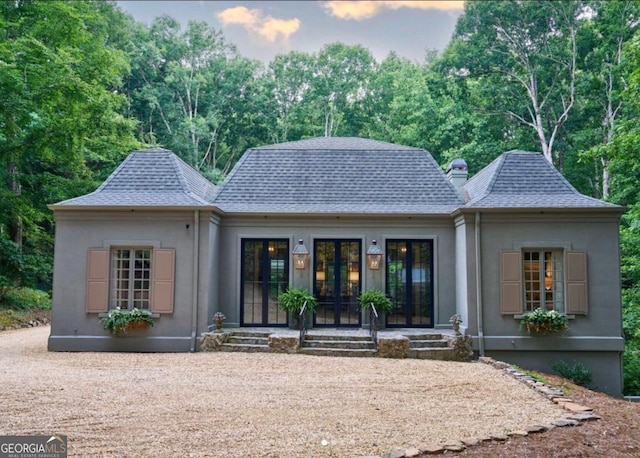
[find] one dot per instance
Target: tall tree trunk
(15, 226)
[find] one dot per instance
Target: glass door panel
(337, 268)
(265, 274)
(409, 282)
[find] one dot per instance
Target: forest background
(82, 84)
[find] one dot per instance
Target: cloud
(360, 10)
(268, 28)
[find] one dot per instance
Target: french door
(337, 282)
(409, 279)
(265, 274)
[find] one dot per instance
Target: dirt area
(614, 436)
(274, 405)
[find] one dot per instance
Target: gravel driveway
(251, 405)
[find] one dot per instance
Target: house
(515, 237)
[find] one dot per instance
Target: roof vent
(457, 172)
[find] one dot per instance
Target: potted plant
(540, 322)
(119, 321)
(292, 300)
(379, 300)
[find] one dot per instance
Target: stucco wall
(73, 328)
(439, 229)
(594, 339)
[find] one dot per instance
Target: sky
(263, 29)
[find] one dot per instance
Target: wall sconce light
(374, 256)
(300, 255)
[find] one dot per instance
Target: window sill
(521, 316)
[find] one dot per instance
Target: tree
(60, 119)
(524, 54)
(192, 92)
(610, 25)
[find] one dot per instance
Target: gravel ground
(252, 405)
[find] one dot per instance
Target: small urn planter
(218, 319)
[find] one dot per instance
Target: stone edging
(576, 414)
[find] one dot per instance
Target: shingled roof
(153, 177)
(522, 179)
(337, 175)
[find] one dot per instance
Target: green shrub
(26, 299)
(631, 361)
(293, 299)
(577, 372)
(379, 300)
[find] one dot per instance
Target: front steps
(246, 341)
(401, 343)
(338, 345)
(430, 346)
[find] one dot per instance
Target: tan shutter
(162, 274)
(510, 282)
(576, 268)
(97, 299)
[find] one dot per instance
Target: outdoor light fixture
(300, 255)
(374, 256)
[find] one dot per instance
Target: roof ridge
(179, 172)
(115, 172)
(222, 186)
(500, 160)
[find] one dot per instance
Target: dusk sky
(263, 29)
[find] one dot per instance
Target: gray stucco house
(514, 237)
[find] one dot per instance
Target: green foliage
(631, 361)
(293, 299)
(118, 321)
(11, 263)
(631, 328)
(26, 299)
(544, 322)
(576, 372)
(378, 298)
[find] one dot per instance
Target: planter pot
(541, 329)
(134, 325)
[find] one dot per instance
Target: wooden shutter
(97, 299)
(162, 280)
(510, 282)
(576, 274)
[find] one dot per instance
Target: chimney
(457, 172)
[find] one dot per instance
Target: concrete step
(438, 354)
(340, 344)
(424, 336)
(263, 334)
(247, 340)
(246, 348)
(428, 344)
(337, 337)
(337, 352)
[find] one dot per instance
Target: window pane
(543, 280)
(130, 287)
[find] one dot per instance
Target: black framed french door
(409, 280)
(264, 275)
(337, 282)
